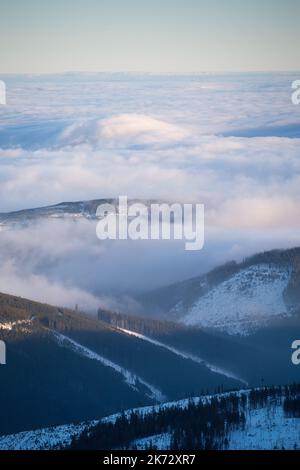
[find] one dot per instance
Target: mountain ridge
(261, 418)
(74, 367)
(177, 301)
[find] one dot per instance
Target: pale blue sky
(153, 36)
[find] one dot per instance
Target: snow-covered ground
(51, 437)
(9, 326)
(131, 379)
(43, 439)
(184, 355)
(158, 441)
(246, 301)
(265, 428)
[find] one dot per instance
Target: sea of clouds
(230, 142)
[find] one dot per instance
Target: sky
(170, 36)
(171, 129)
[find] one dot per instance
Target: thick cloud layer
(230, 142)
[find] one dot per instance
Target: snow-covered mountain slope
(265, 429)
(81, 368)
(44, 439)
(61, 436)
(235, 298)
(49, 379)
(86, 209)
(64, 210)
(244, 302)
(132, 380)
(266, 424)
(24, 325)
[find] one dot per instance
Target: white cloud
(257, 213)
(39, 288)
(136, 128)
(121, 131)
(214, 170)
(178, 138)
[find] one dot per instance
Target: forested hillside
(64, 366)
(208, 423)
(264, 356)
(269, 282)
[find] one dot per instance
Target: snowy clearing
(43, 439)
(246, 301)
(266, 429)
(9, 326)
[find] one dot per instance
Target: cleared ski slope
(131, 379)
(184, 355)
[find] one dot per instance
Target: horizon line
(129, 72)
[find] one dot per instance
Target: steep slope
(265, 418)
(131, 379)
(235, 298)
(223, 421)
(63, 366)
(266, 428)
(184, 354)
(43, 383)
(264, 355)
(244, 302)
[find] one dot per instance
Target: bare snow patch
(45, 438)
(246, 301)
(267, 428)
(10, 325)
